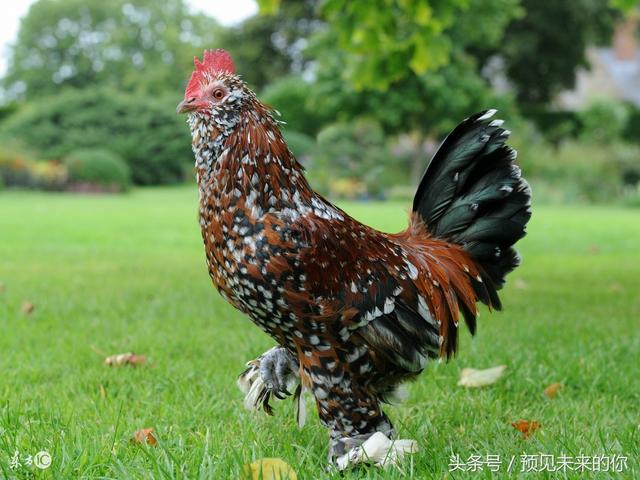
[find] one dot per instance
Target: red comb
(213, 63)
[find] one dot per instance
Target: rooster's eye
(218, 93)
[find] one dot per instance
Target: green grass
(111, 274)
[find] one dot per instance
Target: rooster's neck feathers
(243, 154)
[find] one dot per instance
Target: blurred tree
(543, 49)
(384, 41)
(266, 48)
(398, 74)
(626, 6)
(292, 96)
(144, 131)
(428, 106)
(136, 46)
(604, 121)
(353, 159)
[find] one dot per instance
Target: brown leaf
(471, 377)
(269, 469)
(526, 427)
(145, 435)
(125, 359)
(27, 307)
(552, 390)
(2, 287)
(594, 249)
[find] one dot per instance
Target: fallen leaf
(594, 249)
(27, 307)
(470, 377)
(526, 427)
(145, 435)
(2, 287)
(521, 284)
(552, 390)
(269, 469)
(125, 359)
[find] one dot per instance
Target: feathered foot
(378, 449)
(272, 374)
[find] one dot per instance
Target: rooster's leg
(377, 447)
(274, 373)
(350, 408)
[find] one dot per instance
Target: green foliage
(604, 121)
(98, 167)
(632, 132)
(386, 41)
(579, 171)
(21, 169)
(136, 46)
(624, 5)
(432, 104)
(269, 7)
(49, 175)
(543, 49)
(15, 166)
(555, 125)
(266, 48)
(292, 96)
(382, 43)
(300, 144)
(356, 152)
(144, 131)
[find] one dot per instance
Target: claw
(269, 376)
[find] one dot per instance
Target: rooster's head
(214, 89)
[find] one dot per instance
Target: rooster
(355, 312)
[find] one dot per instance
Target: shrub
(91, 169)
(15, 167)
(144, 131)
(632, 132)
(604, 121)
(49, 175)
(356, 152)
(290, 96)
(300, 144)
(556, 126)
(583, 171)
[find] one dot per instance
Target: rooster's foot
(274, 373)
(377, 449)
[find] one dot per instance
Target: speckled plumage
(360, 310)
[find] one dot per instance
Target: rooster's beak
(186, 105)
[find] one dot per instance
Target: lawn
(111, 274)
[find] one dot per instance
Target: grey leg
(273, 373)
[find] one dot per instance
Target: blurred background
(101, 253)
(367, 89)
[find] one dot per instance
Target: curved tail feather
(472, 194)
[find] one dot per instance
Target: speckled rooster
(355, 312)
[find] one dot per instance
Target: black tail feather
(473, 194)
